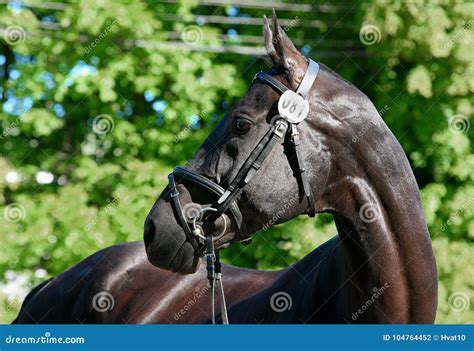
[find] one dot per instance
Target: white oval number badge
(293, 107)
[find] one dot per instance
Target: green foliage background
(161, 102)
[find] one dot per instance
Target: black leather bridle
(227, 198)
(226, 202)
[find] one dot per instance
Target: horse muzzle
(167, 246)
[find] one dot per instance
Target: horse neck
(386, 248)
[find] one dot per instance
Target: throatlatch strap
(295, 139)
(178, 212)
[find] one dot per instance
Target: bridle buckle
(281, 126)
(295, 135)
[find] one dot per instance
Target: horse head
(275, 194)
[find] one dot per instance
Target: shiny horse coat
(119, 285)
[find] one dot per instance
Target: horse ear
(272, 56)
(280, 49)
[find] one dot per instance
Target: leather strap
(295, 139)
(280, 87)
(251, 165)
(211, 273)
(245, 167)
(178, 212)
(308, 79)
(216, 189)
(220, 289)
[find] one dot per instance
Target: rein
(293, 108)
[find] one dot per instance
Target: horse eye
(242, 125)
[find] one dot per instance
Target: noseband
(292, 109)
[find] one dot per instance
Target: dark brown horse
(379, 269)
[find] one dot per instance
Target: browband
(308, 79)
(305, 85)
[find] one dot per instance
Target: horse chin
(168, 249)
(185, 263)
